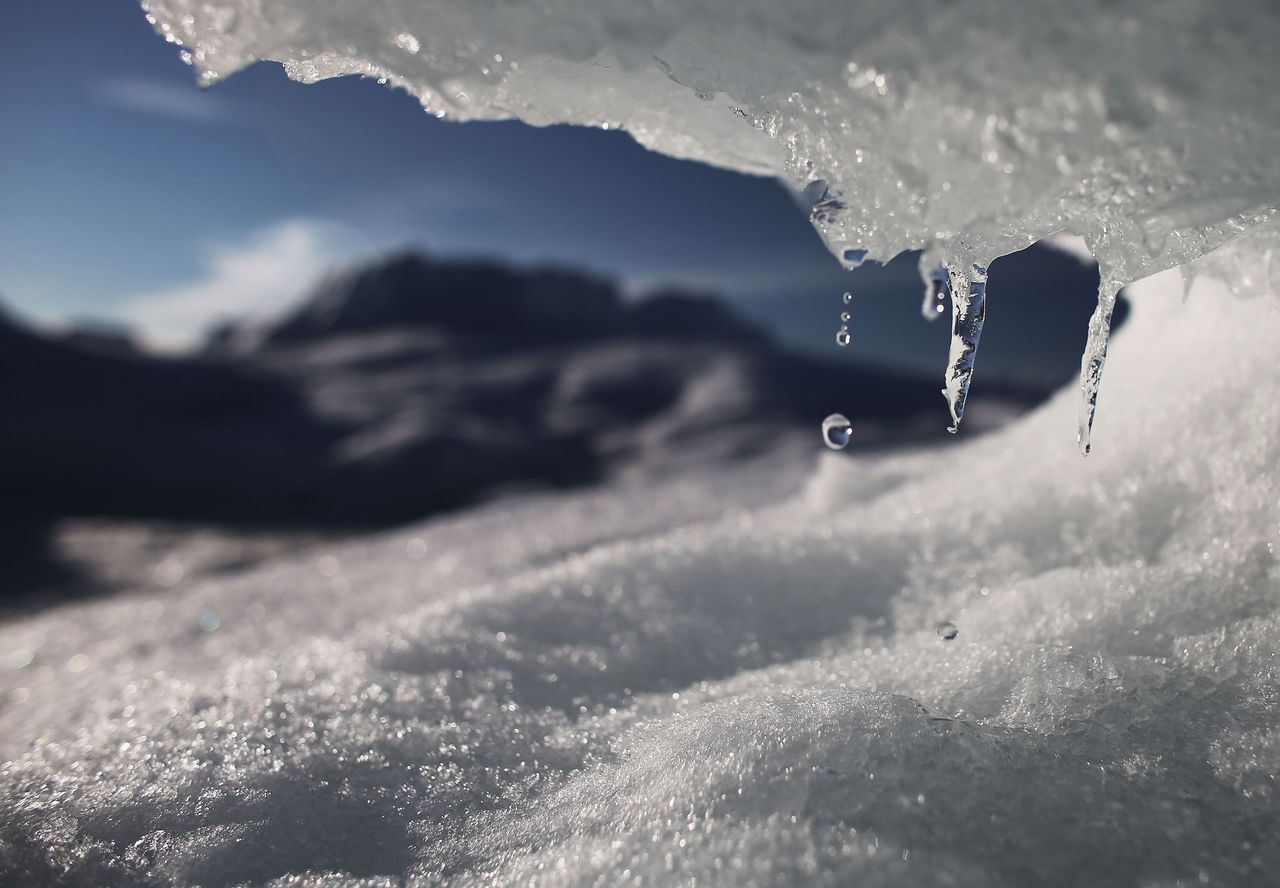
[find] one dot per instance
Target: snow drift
(639, 688)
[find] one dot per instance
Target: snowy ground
(730, 679)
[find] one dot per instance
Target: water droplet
(848, 297)
(843, 337)
(947, 630)
(168, 572)
(836, 431)
(846, 316)
(936, 290)
(210, 621)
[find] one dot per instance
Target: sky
(129, 196)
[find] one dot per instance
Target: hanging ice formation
(1095, 355)
(918, 133)
(967, 283)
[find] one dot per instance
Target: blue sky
(130, 195)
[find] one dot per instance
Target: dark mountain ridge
(489, 305)
(409, 385)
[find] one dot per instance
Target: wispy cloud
(185, 103)
(253, 278)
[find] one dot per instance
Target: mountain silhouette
(407, 386)
(489, 306)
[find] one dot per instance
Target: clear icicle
(968, 310)
(1095, 355)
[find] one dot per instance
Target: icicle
(1095, 355)
(968, 311)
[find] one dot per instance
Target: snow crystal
(637, 687)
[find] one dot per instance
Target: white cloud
(163, 99)
(253, 278)
(1071, 244)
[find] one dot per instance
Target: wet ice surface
(975, 129)
(642, 686)
(969, 130)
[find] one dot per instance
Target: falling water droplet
(936, 289)
(848, 297)
(846, 316)
(947, 630)
(843, 337)
(836, 431)
(968, 312)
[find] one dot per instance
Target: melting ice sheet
(968, 129)
(632, 687)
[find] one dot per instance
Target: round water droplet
(836, 431)
(947, 630)
(846, 316)
(842, 337)
(848, 297)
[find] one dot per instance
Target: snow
(1072, 245)
(717, 681)
(712, 682)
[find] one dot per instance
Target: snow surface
(713, 683)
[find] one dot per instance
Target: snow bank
(631, 687)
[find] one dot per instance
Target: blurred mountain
(89, 429)
(407, 386)
(486, 307)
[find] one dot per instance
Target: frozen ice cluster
(715, 683)
(971, 128)
(968, 129)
